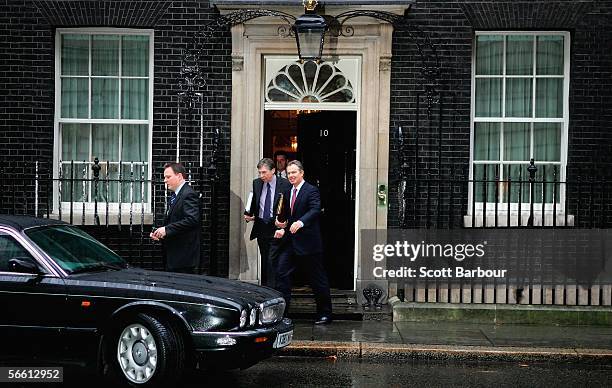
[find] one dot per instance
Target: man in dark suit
(301, 241)
(280, 157)
(181, 230)
(266, 193)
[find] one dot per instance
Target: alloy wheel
(137, 353)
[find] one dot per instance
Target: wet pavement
(457, 334)
(383, 353)
(331, 372)
(302, 372)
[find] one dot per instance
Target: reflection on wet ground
(328, 372)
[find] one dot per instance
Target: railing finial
(532, 169)
(96, 168)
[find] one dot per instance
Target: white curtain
(134, 91)
(135, 142)
(105, 146)
(75, 64)
(75, 147)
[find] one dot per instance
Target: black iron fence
(120, 204)
(117, 202)
(534, 196)
(130, 194)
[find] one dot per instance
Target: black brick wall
(512, 15)
(451, 34)
(172, 34)
(27, 31)
(590, 128)
(27, 102)
(27, 85)
(451, 25)
(142, 13)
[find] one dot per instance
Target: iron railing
(456, 199)
(449, 199)
(118, 202)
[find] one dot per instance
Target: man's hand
(279, 224)
(279, 233)
(297, 225)
(158, 234)
(248, 218)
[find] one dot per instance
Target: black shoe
(323, 320)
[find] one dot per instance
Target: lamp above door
(309, 32)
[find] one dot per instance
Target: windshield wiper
(97, 267)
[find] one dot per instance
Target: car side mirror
(23, 264)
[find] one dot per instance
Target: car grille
(271, 311)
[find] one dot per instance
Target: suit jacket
(260, 229)
(307, 208)
(182, 224)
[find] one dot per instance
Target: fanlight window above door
(310, 82)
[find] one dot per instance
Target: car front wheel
(147, 352)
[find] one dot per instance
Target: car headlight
(207, 317)
(253, 317)
(243, 318)
(272, 311)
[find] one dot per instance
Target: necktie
(172, 199)
(267, 204)
(293, 199)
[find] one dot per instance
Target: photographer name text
(425, 272)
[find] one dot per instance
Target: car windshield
(74, 250)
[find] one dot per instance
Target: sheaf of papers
(249, 201)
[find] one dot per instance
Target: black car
(63, 294)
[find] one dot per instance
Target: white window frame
(564, 121)
(128, 208)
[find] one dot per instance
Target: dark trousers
(287, 264)
(268, 262)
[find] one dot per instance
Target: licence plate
(283, 339)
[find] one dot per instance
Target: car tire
(145, 351)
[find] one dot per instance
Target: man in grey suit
(181, 230)
(266, 190)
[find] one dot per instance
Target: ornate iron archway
(192, 80)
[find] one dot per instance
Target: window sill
(136, 218)
(559, 220)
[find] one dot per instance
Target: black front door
(327, 148)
